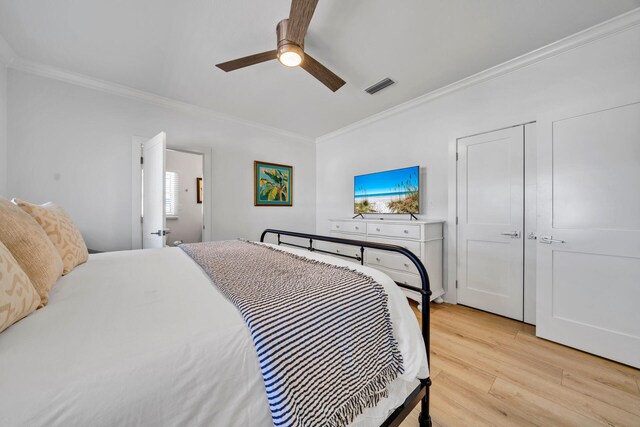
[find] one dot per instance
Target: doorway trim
(136, 187)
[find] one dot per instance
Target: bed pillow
(61, 230)
(30, 246)
(18, 298)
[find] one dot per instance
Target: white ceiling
(170, 47)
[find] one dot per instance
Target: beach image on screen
(395, 191)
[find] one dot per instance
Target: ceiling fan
(290, 52)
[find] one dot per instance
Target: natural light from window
(171, 194)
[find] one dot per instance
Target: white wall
(3, 130)
(426, 133)
(187, 225)
(72, 145)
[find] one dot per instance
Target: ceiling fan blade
(248, 60)
(322, 73)
(299, 19)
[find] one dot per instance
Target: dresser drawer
(405, 231)
(407, 244)
(346, 250)
(347, 236)
(401, 277)
(348, 226)
(337, 248)
(390, 260)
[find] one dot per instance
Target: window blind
(171, 194)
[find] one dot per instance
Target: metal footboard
(421, 392)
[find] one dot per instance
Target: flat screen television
(390, 192)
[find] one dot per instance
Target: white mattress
(144, 338)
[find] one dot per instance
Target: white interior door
(588, 276)
(490, 221)
(153, 192)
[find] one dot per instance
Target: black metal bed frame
(421, 392)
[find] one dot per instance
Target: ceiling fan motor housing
(284, 44)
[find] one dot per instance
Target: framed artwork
(199, 190)
(272, 184)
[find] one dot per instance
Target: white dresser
(423, 238)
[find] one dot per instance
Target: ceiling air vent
(379, 86)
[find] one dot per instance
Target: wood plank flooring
(491, 371)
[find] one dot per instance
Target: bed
(144, 338)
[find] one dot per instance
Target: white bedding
(144, 338)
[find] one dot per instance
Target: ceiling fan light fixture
(292, 56)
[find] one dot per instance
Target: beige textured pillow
(30, 246)
(18, 298)
(61, 230)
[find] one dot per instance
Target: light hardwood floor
(489, 370)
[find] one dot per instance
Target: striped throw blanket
(322, 333)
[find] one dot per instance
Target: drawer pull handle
(337, 226)
(377, 229)
(406, 231)
(377, 259)
(338, 250)
(406, 265)
(357, 228)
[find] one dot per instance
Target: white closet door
(588, 293)
(490, 221)
(153, 192)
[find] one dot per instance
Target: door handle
(549, 240)
(161, 232)
(512, 234)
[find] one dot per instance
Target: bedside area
(423, 238)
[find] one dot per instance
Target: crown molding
(597, 32)
(605, 29)
(77, 79)
(7, 55)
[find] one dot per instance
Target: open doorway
(173, 206)
(184, 196)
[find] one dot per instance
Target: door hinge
(456, 156)
(456, 220)
(456, 284)
(141, 160)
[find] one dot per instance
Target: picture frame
(199, 191)
(272, 184)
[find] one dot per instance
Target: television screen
(393, 192)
